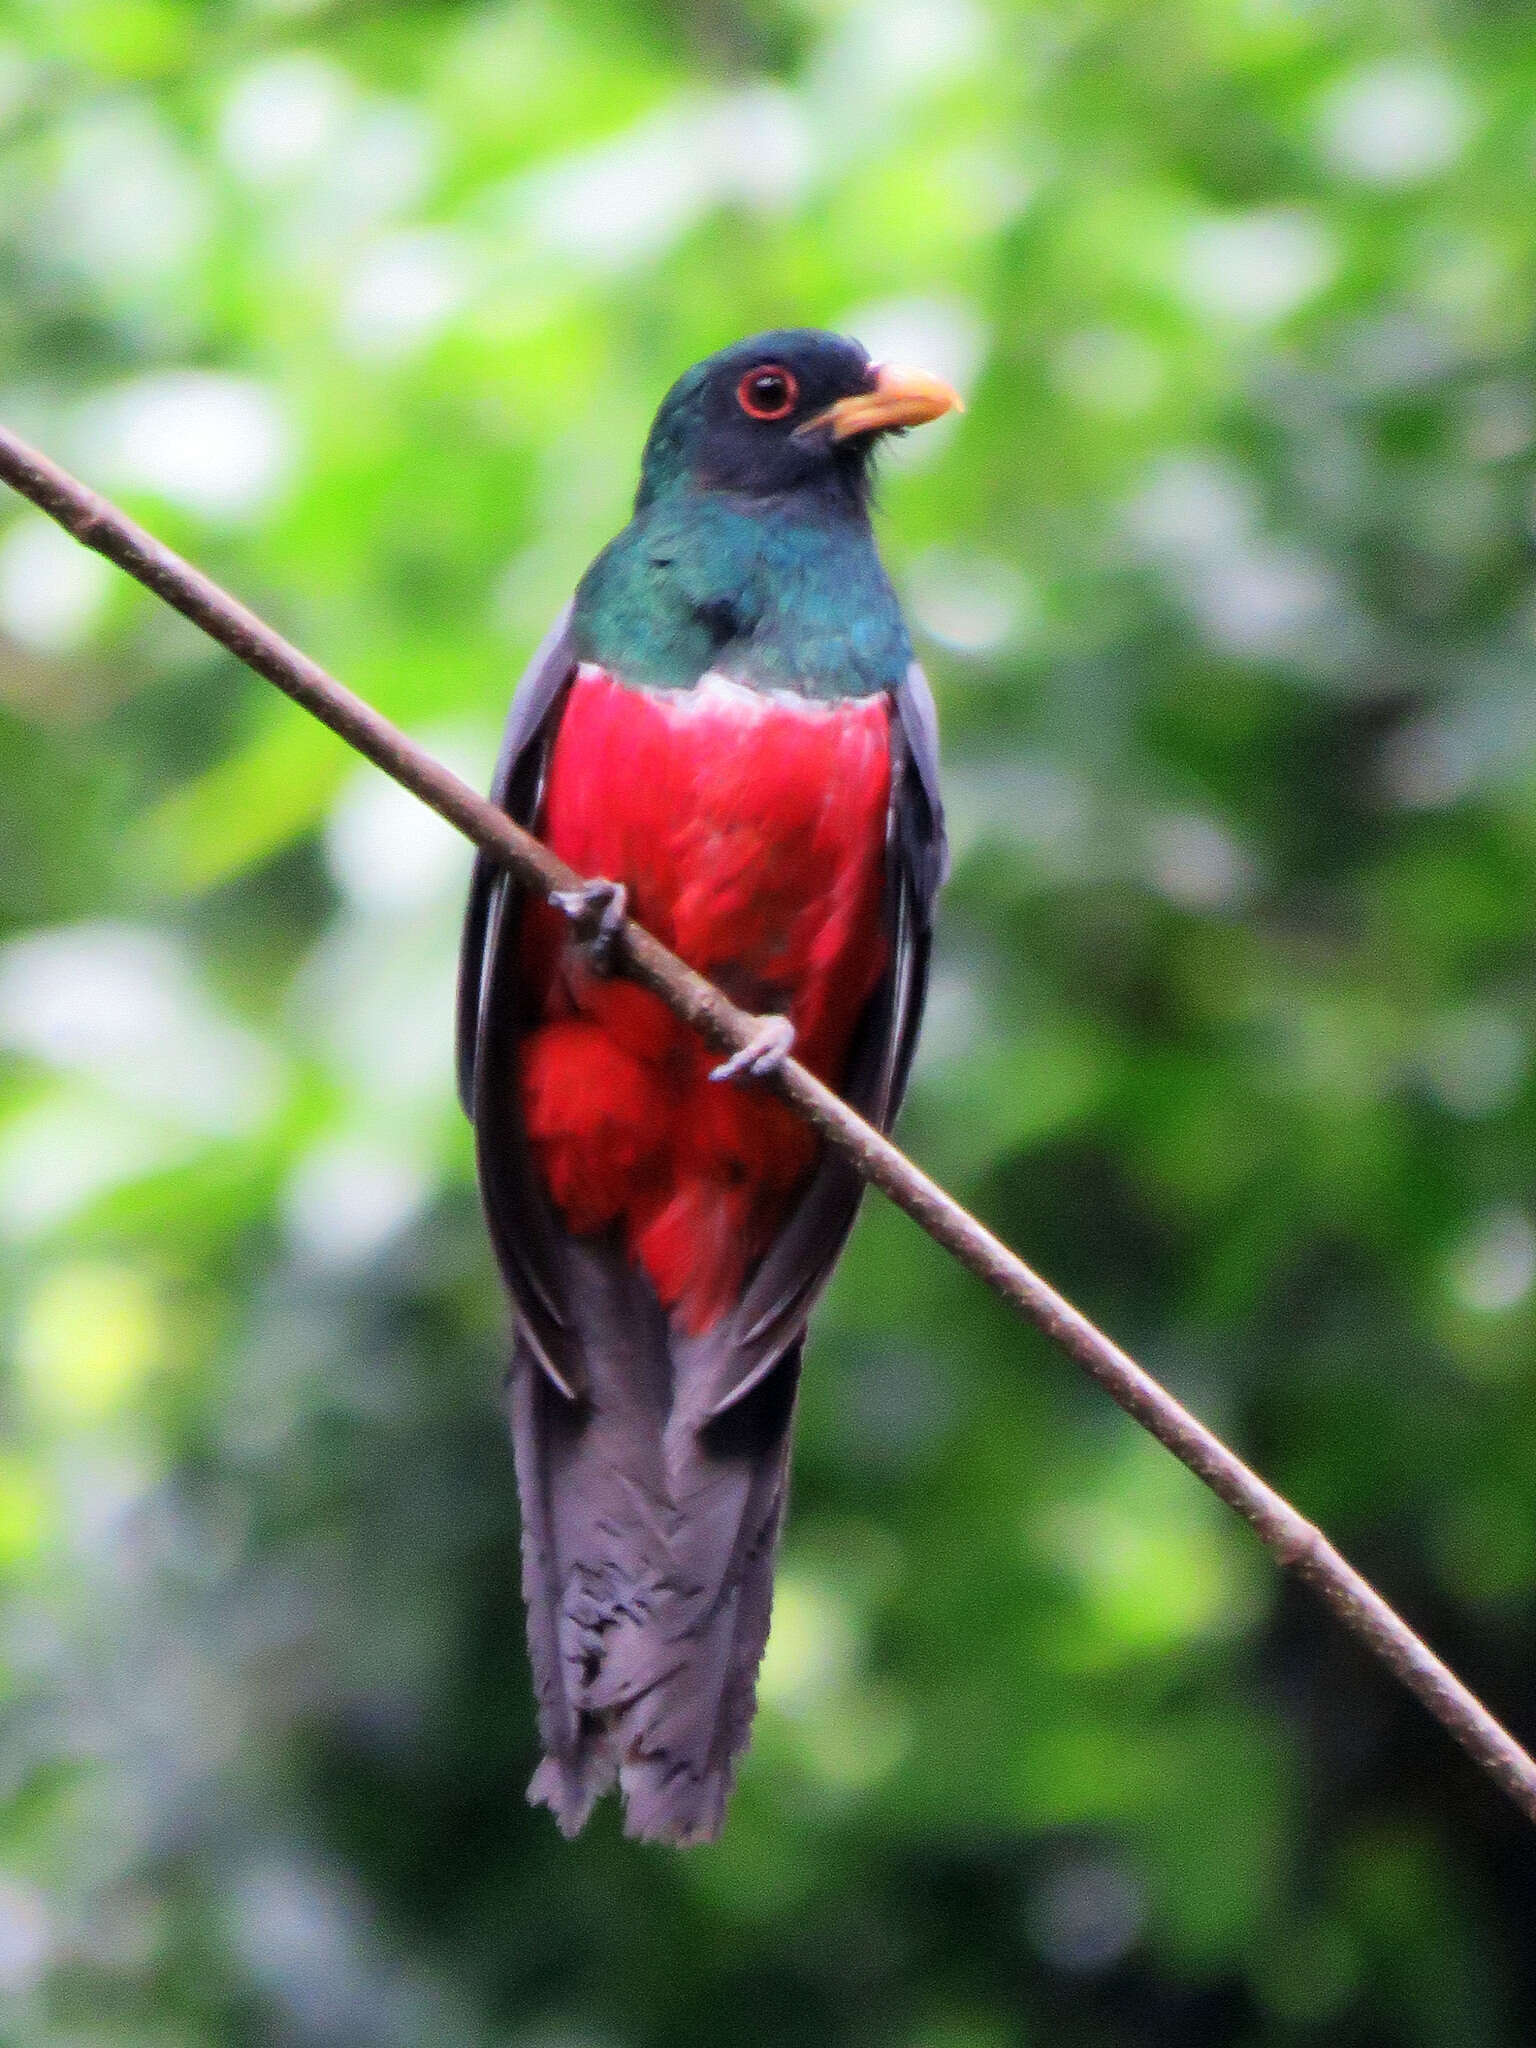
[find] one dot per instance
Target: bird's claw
(764, 1053)
(597, 911)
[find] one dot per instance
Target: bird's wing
(522, 746)
(727, 1361)
(529, 1244)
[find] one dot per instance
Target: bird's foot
(597, 911)
(764, 1053)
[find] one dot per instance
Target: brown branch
(1297, 1545)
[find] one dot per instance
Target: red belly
(750, 832)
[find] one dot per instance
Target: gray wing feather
(533, 700)
(527, 1239)
(928, 846)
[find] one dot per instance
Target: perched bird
(728, 732)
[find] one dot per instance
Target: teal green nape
(750, 550)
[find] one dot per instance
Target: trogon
(727, 732)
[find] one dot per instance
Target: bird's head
(792, 410)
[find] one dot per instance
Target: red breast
(750, 832)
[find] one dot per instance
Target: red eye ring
(768, 392)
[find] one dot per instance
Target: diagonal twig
(1293, 1540)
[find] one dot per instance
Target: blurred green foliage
(1225, 586)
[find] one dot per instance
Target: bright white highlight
(1495, 1266)
(1397, 123)
(52, 590)
(348, 1198)
(975, 604)
(122, 1005)
(403, 292)
(388, 854)
(214, 444)
(1196, 863)
(1255, 268)
(127, 208)
(1254, 596)
(624, 202)
(281, 117)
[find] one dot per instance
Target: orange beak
(900, 398)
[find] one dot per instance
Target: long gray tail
(648, 1547)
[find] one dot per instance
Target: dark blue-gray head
(792, 410)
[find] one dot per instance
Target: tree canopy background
(1225, 586)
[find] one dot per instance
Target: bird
(727, 732)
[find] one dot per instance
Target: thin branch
(1292, 1539)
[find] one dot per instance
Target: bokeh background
(1225, 584)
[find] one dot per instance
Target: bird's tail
(648, 1545)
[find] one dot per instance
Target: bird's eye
(768, 392)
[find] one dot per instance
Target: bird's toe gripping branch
(597, 911)
(764, 1053)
